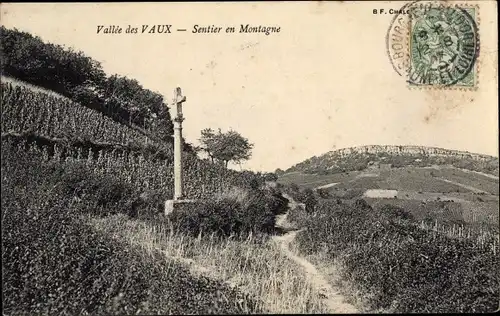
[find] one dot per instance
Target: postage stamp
(435, 44)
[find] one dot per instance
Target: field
(467, 196)
(245, 271)
(407, 178)
(25, 110)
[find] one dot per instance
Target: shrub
(299, 217)
(235, 211)
(309, 200)
(324, 193)
(105, 193)
(148, 204)
(277, 203)
(395, 212)
(362, 204)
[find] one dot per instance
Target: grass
(469, 213)
(314, 180)
(332, 270)
(254, 264)
(417, 179)
(358, 158)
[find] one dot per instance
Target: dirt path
(491, 176)
(326, 186)
(468, 187)
(487, 175)
(330, 296)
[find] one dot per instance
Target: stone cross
(178, 100)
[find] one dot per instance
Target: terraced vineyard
(27, 111)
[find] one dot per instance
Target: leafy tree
(138, 106)
(51, 66)
(208, 142)
(225, 147)
(279, 172)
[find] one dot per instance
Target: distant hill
(391, 156)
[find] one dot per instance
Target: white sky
(324, 82)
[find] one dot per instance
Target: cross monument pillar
(178, 202)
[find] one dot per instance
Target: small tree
(225, 147)
(208, 143)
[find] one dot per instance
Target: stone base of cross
(179, 205)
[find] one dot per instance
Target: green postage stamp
(435, 44)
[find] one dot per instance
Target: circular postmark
(434, 44)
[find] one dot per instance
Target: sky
(323, 82)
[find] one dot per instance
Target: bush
(236, 211)
(362, 205)
(395, 212)
(105, 194)
(277, 203)
(148, 204)
(309, 200)
(324, 193)
(299, 217)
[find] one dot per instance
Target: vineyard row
(201, 178)
(24, 110)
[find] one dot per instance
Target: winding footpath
(329, 295)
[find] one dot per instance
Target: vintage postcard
(249, 157)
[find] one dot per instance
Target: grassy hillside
(388, 263)
(74, 242)
(447, 194)
(67, 129)
(85, 231)
(402, 229)
(56, 262)
(361, 158)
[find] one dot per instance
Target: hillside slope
(80, 78)
(363, 157)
